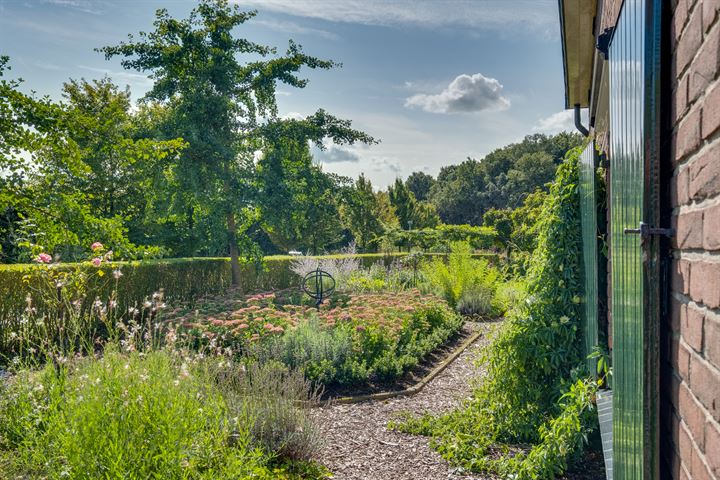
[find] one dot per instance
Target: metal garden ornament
(318, 285)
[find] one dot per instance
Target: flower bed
(352, 339)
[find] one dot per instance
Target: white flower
(117, 273)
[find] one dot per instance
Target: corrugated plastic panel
(627, 108)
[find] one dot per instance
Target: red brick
(689, 43)
(684, 443)
(676, 313)
(705, 283)
(705, 174)
(704, 67)
(712, 446)
(692, 328)
(689, 230)
(680, 359)
(705, 384)
(693, 415)
(680, 100)
(679, 188)
(711, 111)
(687, 137)
(711, 349)
(710, 11)
(681, 276)
(679, 19)
(684, 475)
(682, 182)
(698, 468)
(711, 228)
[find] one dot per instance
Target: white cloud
(294, 28)
(498, 14)
(385, 164)
(559, 122)
(334, 153)
(465, 94)
(81, 5)
(292, 116)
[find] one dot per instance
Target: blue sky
(436, 80)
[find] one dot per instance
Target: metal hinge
(646, 230)
(603, 42)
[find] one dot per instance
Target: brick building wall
(690, 390)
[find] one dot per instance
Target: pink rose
(96, 261)
(96, 246)
(43, 258)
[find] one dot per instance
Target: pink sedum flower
(96, 261)
(43, 258)
(96, 246)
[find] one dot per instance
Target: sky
(436, 81)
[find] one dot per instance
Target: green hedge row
(181, 279)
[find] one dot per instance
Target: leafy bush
(123, 416)
(463, 278)
(324, 354)
(562, 437)
(531, 358)
(274, 401)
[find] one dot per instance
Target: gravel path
(360, 447)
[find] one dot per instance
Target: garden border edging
(415, 389)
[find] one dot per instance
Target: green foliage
(463, 193)
(420, 184)
(275, 402)
(411, 213)
(124, 416)
(530, 359)
(463, 281)
(179, 280)
(299, 204)
(562, 438)
(363, 215)
(438, 239)
(324, 355)
(75, 188)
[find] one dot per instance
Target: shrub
(274, 400)
(123, 416)
(461, 277)
(324, 354)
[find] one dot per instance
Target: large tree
(220, 88)
(502, 179)
(363, 213)
(68, 169)
(420, 184)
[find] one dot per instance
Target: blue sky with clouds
(435, 80)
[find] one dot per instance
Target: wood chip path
(359, 445)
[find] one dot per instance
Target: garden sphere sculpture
(318, 285)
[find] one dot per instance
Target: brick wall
(690, 398)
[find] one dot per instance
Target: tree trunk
(234, 256)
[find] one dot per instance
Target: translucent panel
(588, 210)
(626, 208)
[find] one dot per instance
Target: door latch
(646, 230)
